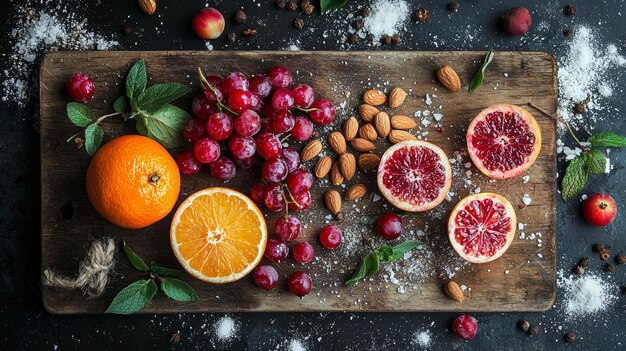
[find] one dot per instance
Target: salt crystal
(526, 199)
(423, 338)
(296, 345)
(225, 328)
(428, 100)
(437, 116)
(387, 17)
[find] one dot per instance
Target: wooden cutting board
(524, 279)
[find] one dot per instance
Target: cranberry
(265, 277)
(300, 283)
(273, 198)
(268, 145)
(282, 100)
(389, 226)
(215, 81)
(324, 113)
(202, 108)
(194, 130)
(276, 250)
(517, 21)
(208, 23)
(269, 112)
(234, 81)
(256, 191)
(248, 123)
(282, 122)
(465, 327)
(240, 100)
(300, 181)
(261, 85)
(223, 168)
(187, 163)
(241, 147)
(279, 76)
(80, 87)
(291, 158)
(245, 163)
(302, 129)
(274, 170)
(330, 237)
(219, 126)
(303, 95)
(206, 150)
(303, 252)
(303, 199)
(214, 95)
(287, 227)
(257, 104)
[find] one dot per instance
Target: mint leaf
(575, 178)
(479, 77)
(93, 138)
(329, 5)
(595, 161)
(134, 259)
(166, 125)
(136, 80)
(358, 275)
(141, 126)
(133, 297)
(372, 264)
(121, 104)
(406, 246)
(156, 96)
(79, 114)
(384, 252)
(608, 139)
(178, 290)
(166, 272)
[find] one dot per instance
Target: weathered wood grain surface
(69, 222)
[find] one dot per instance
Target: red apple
(208, 23)
(599, 209)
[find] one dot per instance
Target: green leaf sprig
(330, 5)
(591, 161)
(479, 77)
(371, 263)
(150, 107)
(137, 295)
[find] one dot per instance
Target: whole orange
(133, 182)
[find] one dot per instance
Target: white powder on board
(387, 18)
(585, 295)
(225, 328)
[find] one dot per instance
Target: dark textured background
(25, 325)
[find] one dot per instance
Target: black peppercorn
(365, 12)
(358, 24)
(316, 134)
(623, 289)
(385, 39)
(396, 39)
(609, 267)
(292, 6)
(239, 16)
(340, 217)
(523, 325)
(579, 270)
(570, 10)
(580, 108)
(298, 23)
(453, 6)
(175, 338)
(584, 262)
(353, 39)
(568, 33)
(533, 330)
(620, 259)
(304, 3)
(232, 38)
(249, 32)
(604, 256)
(281, 3)
(126, 29)
(569, 337)
(421, 15)
(598, 247)
(308, 9)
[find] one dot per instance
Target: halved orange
(218, 235)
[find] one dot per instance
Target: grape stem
(305, 109)
(205, 83)
(287, 202)
(562, 121)
(285, 138)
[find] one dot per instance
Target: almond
(333, 201)
(368, 161)
(382, 124)
(368, 131)
(367, 112)
(347, 165)
(337, 142)
(453, 291)
(310, 150)
(396, 136)
(148, 6)
(350, 128)
(396, 97)
(402, 122)
(356, 191)
(323, 167)
(335, 175)
(374, 97)
(362, 145)
(448, 78)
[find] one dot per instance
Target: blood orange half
(414, 175)
(503, 141)
(481, 227)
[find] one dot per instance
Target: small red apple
(208, 23)
(599, 209)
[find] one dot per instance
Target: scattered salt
(296, 345)
(225, 328)
(585, 295)
(387, 18)
(526, 199)
(423, 338)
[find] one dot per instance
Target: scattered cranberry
(187, 163)
(279, 76)
(599, 209)
(240, 100)
(302, 129)
(300, 283)
(208, 23)
(223, 168)
(219, 126)
(276, 250)
(194, 130)
(465, 327)
(261, 85)
(245, 163)
(206, 150)
(217, 93)
(291, 158)
(324, 112)
(274, 170)
(389, 226)
(256, 191)
(282, 100)
(248, 123)
(287, 227)
(265, 277)
(303, 252)
(303, 95)
(268, 145)
(241, 147)
(273, 198)
(300, 181)
(303, 200)
(202, 107)
(257, 104)
(80, 87)
(330, 237)
(517, 21)
(283, 122)
(234, 81)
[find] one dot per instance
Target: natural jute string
(93, 272)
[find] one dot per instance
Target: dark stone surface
(25, 325)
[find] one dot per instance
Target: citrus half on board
(414, 175)
(132, 181)
(503, 141)
(218, 235)
(481, 227)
